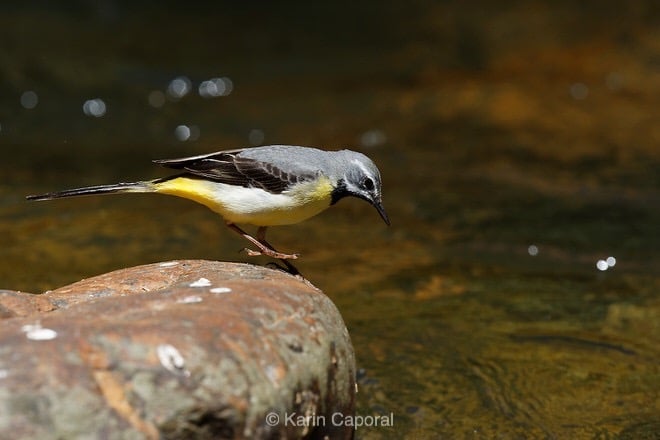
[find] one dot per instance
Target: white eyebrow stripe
(363, 168)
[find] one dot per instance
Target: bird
(262, 186)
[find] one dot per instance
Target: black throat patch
(339, 192)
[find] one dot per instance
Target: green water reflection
(518, 147)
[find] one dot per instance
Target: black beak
(379, 207)
(376, 202)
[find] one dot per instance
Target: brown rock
(184, 349)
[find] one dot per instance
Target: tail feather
(94, 190)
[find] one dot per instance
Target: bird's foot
(271, 253)
(265, 248)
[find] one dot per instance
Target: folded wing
(230, 168)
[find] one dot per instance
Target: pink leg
(265, 248)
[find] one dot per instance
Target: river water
(516, 294)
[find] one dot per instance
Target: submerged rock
(184, 349)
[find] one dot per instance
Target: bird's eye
(368, 184)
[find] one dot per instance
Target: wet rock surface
(183, 349)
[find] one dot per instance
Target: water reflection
(185, 133)
(606, 264)
(373, 138)
(94, 107)
(256, 136)
(614, 81)
(156, 98)
(216, 87)
(533, 250)
(179, 87)
(29, 99)
(579, 91)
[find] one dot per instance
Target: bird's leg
(264, 247)
(261, 237)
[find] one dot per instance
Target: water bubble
(602, 265)
(29, 99)
(156, 98)
(611, 261)
(179, 87)
(256, 136)
(94, 107)
(533, 250)
(579, 91)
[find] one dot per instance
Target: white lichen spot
(274, 374)
(192, 299)
(220, 290)
(35, 332)
(202, 282)
(42, 334)
(171, 359)
(169, 264)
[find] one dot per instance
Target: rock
(184, 349)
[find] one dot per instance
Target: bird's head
(359, 177)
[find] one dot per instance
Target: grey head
(351, 173)
(356, 175)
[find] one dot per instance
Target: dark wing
(230, 168)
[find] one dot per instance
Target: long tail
(136, 187)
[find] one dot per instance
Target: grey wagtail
(263, 186)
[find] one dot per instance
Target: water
(518, 147)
